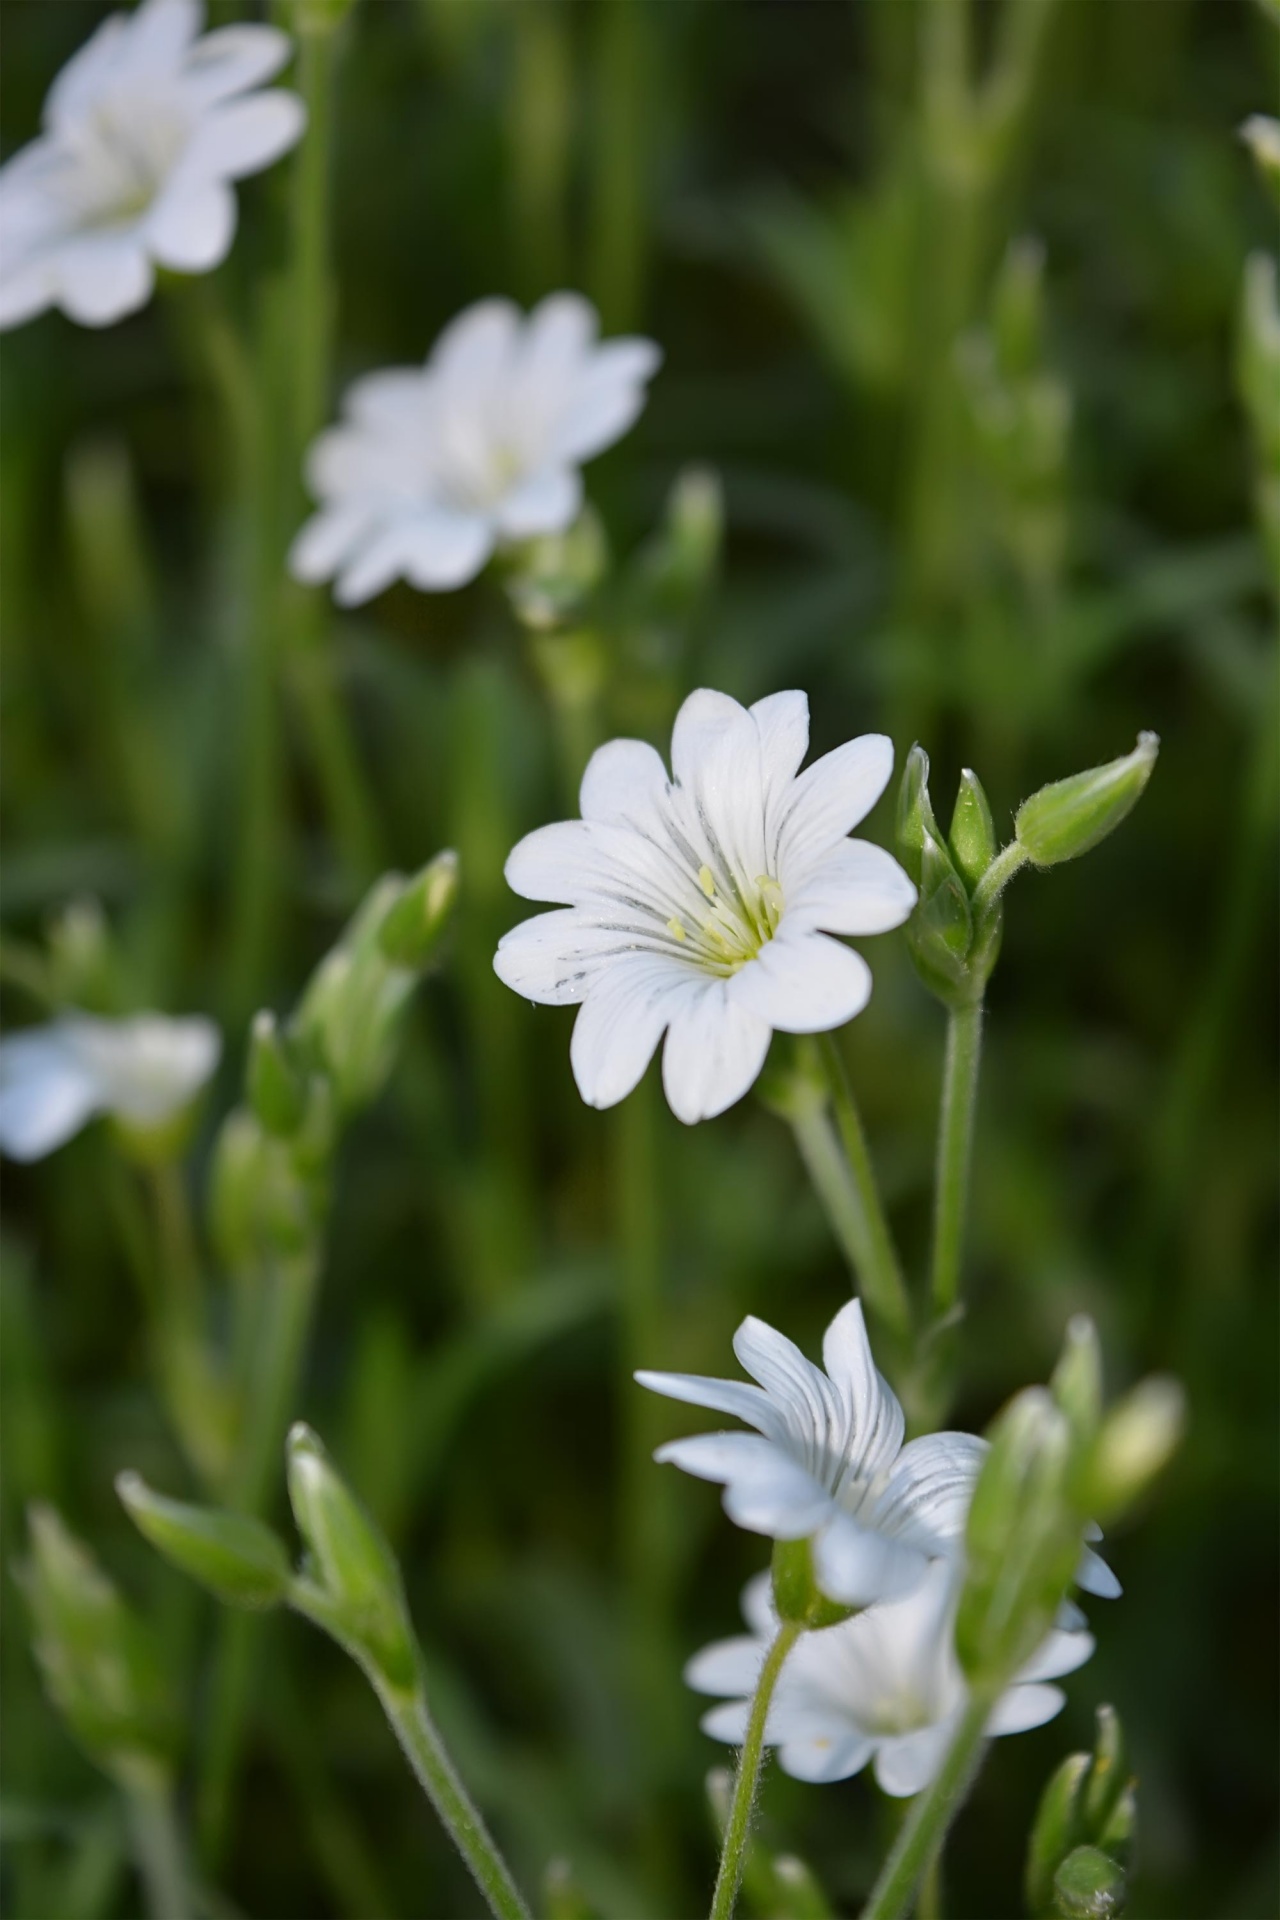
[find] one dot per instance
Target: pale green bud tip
(236, 1557)
(915, 812)
(1072, 815)
(1077, 1378)
(274, 1086)
(697, 516)
(1089, 1886)
(412, 928)
(1261, 134)
(1136, 1442)
(973, 832)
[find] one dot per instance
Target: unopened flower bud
(1077, 1378)
(795, 1590)
(348, 1021)
(275, 1088)
(262, 1201)
(356, 1571)
(1089, 1801)
(238, 1558)
(677, 566)
(915, 813)
(413, 927)
(1070, 816)
(1089, 1886)
(1022, 1540)
(1135, 1443)
(940, 931)
(1261, 134)
(973, 835)
(83, 963)
(96, 1657)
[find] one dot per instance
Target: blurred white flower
(435, 466)
(884, 1685)
(827, 1463)
(694, 905)
(143, 130)
(143, 1070)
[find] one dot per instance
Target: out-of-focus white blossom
(144, 130)
(435, 466)
(143, 1070)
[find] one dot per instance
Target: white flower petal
(624, 784)
(240, 137)
(1024, 1707)
(102, 277)
(713, 1054)
(856, 888)
(764, 1490)
(727, 1666)
(906, 1763)
(721, 1396)
(1058, 1653)
(606, 399)
(758, 1609)
(191, 228)
(46, 1095)
(444, 550)
(474, 352)
(27, 287)
(327, 541)
(803, 982)
(822, 1757)
(546, 502)
(620, 1024)
(926, 1498)
(1095, 1576)
(870, 1404)
(728, 1722)
(554, 957)
(160, 32)
(233, 59)
(793, 1383)
(147, 1067)
(856, 1566)
(717, 758)
(388, 399)
(560, 862)
(86, 72)
(782, 720)
(831, 797)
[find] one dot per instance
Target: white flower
(435, 466)
(827, 1463)
(143, 1069)
(143, 130)
(884, 1685)
(695, 906)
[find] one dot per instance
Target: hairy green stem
(1007, 862)
(426, 1753)
(158, 1847)
(955, 1149)
(737, 1832)
(871, 1243)
(925, 1827)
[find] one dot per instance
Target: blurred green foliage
(992, 492)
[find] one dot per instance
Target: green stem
(737, 1832)
(955, 1147)
(272, 1392)
(180, 1277)
(159, 1848)
(997, 877)
(932, 1812)
(426, 1753)
(875, 1257)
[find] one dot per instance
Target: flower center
(128, 149)
(894, 1713)
(732, 929)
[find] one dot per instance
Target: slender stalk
(426, 1753)
(879, 1269)
(158, 1846)
(932, 1812)
(180, 1276)
(997, 877)
(955, 1147)
(737, 1832)
(929, 1900)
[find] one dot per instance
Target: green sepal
(413, 927)
(235, 1556)
(972, 838)
(796, 1594)
(355, 1572)
(1091, 1801)
(915, 813)
(276, 1090)
(1065, 819)
(1089, 1886)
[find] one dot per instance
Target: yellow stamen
(707, 881)
(675, 929)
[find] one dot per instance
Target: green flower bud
(84, 966)
(262, 1202)
(1134, 1445)
(915, 813)
(1017, 309)
(1089, 1801)
(801, 1895)
(1261, 134)
(795, 1590)
(412, 930)
(96, 1657)
(940, 931)
(238, 1558)
(1077, 1379)
(359, 1588)
(1022, 1540)
(272, 1082)
(973, 833)
(348, 1021)
(557, 574)
(1089, 1886)
(1069, 817)
(674, 569)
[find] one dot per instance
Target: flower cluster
(144, 130)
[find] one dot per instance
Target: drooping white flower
(143, 1070)
(883, 1686)
(144, 129)
(435, 466)
(827, 1463)
(701, 905)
